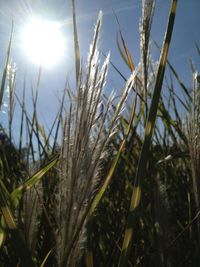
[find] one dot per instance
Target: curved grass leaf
(121, 52)
(2, 236)
(17, 193)
(126, 55)
(46, 258)
(16, 238)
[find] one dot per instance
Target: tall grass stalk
(142, 165)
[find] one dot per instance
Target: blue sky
(186, 32)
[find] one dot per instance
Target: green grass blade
(34, 116)
(46, 258)
(22, 117)
(5, 202)
(76, 43)
(141, 170)
(59, 121)
(169, 122)
(2, 236)
(29, 123)
(17, 241)
(174, 72)
(126, 56)
(16, 194)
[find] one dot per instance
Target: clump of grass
(150, 124)
(45, 217)
(87, 133)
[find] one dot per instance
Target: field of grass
(122, 185)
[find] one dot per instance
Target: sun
(43, 42)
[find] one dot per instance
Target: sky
(186, 33)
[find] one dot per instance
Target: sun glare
(43, 42)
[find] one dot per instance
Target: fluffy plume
(148, 7)
(32, 211)
(86, 134)
(194, 141)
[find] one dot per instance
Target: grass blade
(141, 170)
(46, 258)
(16, 238)
(76, 43)
(198, 48)
(16, 194)
(22, 118)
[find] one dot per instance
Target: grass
(121, 187)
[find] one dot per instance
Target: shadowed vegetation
(115, 180)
